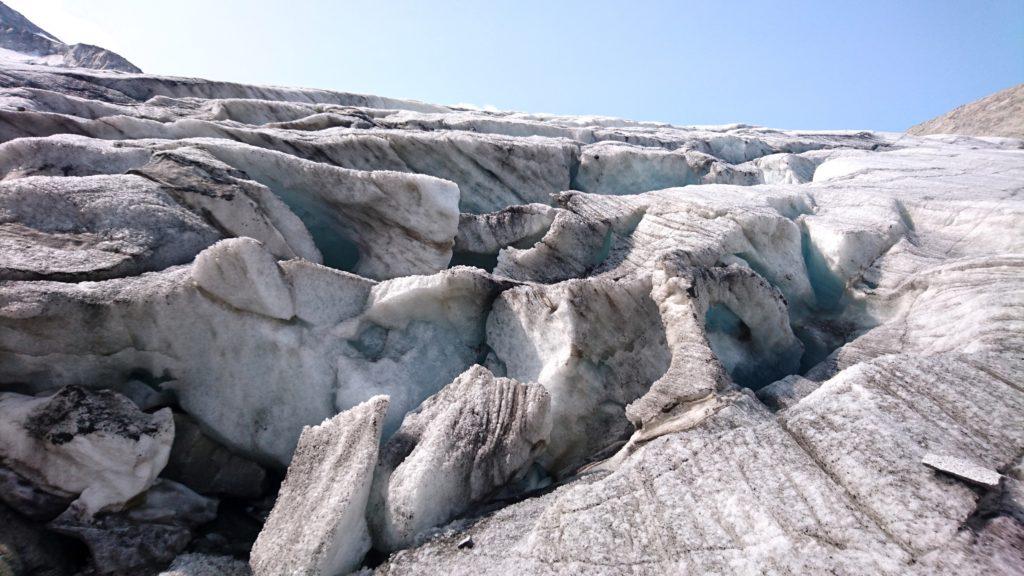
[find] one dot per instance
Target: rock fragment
(206, 565)
(205, 466)
(27, 548)
(144, 536)
(963, 469)
(30, 500)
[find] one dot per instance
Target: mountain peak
(999, 114)
(22, 40)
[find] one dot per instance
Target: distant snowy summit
(999, 114)
(22, 40)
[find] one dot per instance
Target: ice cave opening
(732, 342)
(483, 261)
(330, 236)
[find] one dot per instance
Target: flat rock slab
(962, 469)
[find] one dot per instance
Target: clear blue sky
(825, 64)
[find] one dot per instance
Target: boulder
(202, 464)
(143, 537)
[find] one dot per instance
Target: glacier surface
(475, 342)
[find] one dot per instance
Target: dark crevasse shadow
(329, 234)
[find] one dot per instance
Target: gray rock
(144, 536)
(206, 565)
(31, 500)
(148, 397)
(998, 114)
(205, 466)
(17, 33)
(89, 56)
(27, 548)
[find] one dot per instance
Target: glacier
(265, 330)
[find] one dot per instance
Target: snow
(268, 259)
(56, 443)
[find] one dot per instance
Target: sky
(826, 64)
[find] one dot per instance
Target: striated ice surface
(461, 445)
(317, 525)
(606, 346)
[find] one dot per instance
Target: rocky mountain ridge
(22, 40)
(999, 114)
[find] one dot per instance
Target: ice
(608, 346)
(230, 346)
(318, 523)
(884, 415)
(517, 226)
(459, 447)
(595, 345)
(96, 445)
(244, 275)
(962, 469)
(93, 227)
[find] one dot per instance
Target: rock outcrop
(32, 43)
(999, 114)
